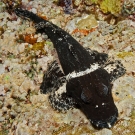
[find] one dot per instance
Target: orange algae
(29, 38)
(42, 16)
(84, 31)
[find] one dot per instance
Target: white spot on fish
(61, 90)
(109, 68)
(81, 73)
(60, 39)
(109, 125)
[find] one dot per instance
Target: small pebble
(34, 10)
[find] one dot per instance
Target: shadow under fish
(86, 79)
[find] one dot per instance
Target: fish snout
(106, 123)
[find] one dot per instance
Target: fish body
(86, 79)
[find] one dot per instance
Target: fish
(83, 79)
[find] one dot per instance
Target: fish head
(93, 95)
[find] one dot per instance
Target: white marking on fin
(81, 73)
(109, 68)
(109, 125)
(42, 24)
(61, 90)
(60, 39)
(70, 46)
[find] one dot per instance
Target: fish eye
(86, 96)
(102, 90)
(105, 89)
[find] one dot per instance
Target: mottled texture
(67, 5)
(91, 90)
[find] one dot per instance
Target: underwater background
(104, 25)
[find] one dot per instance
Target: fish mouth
(107, 123)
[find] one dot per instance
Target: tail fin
(27, 15)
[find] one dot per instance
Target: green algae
(112, 6)
(7, 78)
(69, 129)
(38, 46)
(64, 128)
(125, 54)
(87, 23)
(4, 132)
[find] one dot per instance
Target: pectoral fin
(60, 101)
(53, 78)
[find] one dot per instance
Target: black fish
(86, 79)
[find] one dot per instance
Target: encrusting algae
(84, 31)
(39, 46)
(87, 23)
(112, 6)
(1, 30)
(125, 54)
(29, 38)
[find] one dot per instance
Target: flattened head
(99, 108)
(92, 92)
(105, 123)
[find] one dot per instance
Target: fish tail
(27, 15)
